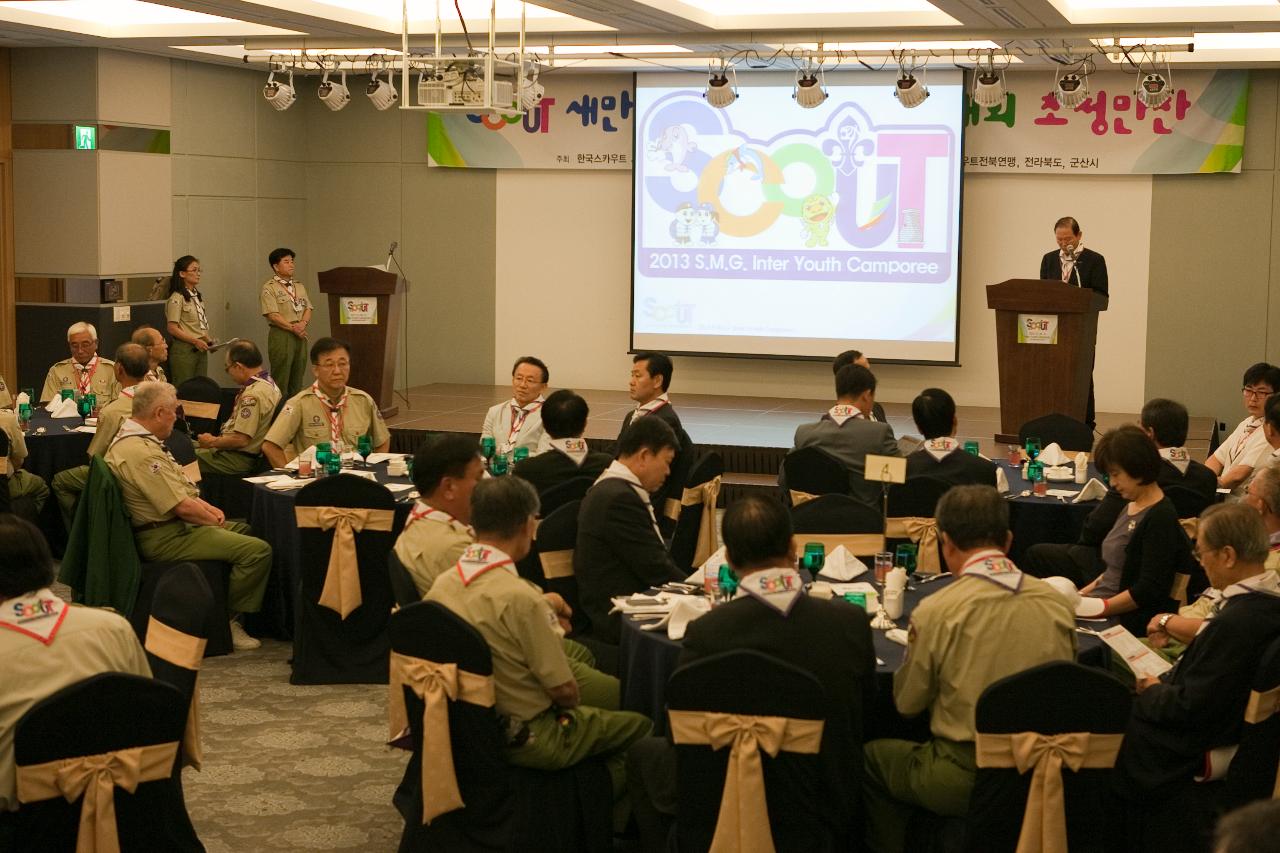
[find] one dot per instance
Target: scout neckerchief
(574, 448)
(1274, 539)
(130, 428)
(618, 471)
(941, 447)
(423, 510)
(129, 392)
(995, 567)
(519, 414)
(650, 407)
(202, 317)
(842, 412)
(1068, 258)
(479, 558)
(152, 375)
(1249, 427)
(85, 379)
(1177, 457)
(336, 412)
(37, 615)
(1267, 583)
(776, 588)
(298, 304)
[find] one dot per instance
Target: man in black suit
(853, 356)
(776, 618)
(650, 382)
(564, 418)
(1193, 485)
(942, 457)
(1077, 266)
(619, 550)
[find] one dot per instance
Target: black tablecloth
(272, 517)
(56, 449)
(1048, 519)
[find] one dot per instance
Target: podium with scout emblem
(364, 308)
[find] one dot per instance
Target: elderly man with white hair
(85, 372)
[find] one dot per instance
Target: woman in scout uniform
(287, 308)
(188, 323)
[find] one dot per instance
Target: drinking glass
(971, 447)
(364, 446)
(884, 563)
(905, 556)
(1033, 446)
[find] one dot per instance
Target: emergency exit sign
(86, 137)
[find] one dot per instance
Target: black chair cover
(183, 601)
(674, 485)
(559, 532)
(402, 585)
(328, 649)
(559, 495)
(1188, 502)
(749, 682)
(1071, 434)
(105, 713)
(918, 496)
(200, 389)
(1053, 698)
(181, 447)
(815, 471)
(1252, 775)
(214, 575)
(684, 542)
(5, 505)
(835, 514)
(507, 808)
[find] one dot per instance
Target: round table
(56, 449)
(1044, 519)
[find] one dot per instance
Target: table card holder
(885, 470)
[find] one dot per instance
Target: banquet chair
(910, 519)
(810, 472)
(106, 713)
(732, 686)
(506, 808)
(340, 617)
(200, 399)
(1254, 773)
(695, 538)
(1188, 502)
(1051, 699)
(561, 493)
(403, 588)
(838, 520)
(1070, 434)
(673, 487)
(556, 538)
(5, 505)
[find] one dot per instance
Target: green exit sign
(86, 137)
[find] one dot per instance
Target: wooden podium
(364, 311)
(1045, 337)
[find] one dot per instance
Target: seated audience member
(649, 388)
(991, 622)
(846, 433)
(157, 351)
(942, 456)
(853, 356)
(445, 472)
(775, 617)
(1235, 458)
(328, 411)
(171, 523)
(1146, 546)
(619, 549)
(1271, 432)
(1264, 496)
(45, 643)
(237, 449)
(555, 718)
(1254, 828)
(6, 398)
(130, 368)
(1199, 705)
(518, 421)
(22, 484)
(85, 372)
(564, 416)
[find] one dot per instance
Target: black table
(56, 449)
(1043, 519)
(272, 517)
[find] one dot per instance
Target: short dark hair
(1263, 372)
(536, 362)
(1068, 222)
(564, 414)
(656, 364)
(849, 356)
(934, 412)
(324, 346)
(757, 532)
(647, 433)
(25, 562)
(440, 456)
(245, 353)
(1129, 449)
(973, 516)
(853, 380)
(133, 360)
(501, 505)
(1254, 828)
(1271, 411)
(1167, 420)
(278, 255)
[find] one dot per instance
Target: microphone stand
(404, 323)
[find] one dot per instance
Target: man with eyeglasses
(1246, 447)
(157, 351)
(237, 449)
(85, 372)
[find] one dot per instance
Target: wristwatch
(1164, 620)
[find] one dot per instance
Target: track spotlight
(909, 91)
(811, 89)
(720, 93)
(334, 95)
(532, 92)
(1071, 89)
(1153, 89)
(382, 93)
(988, 83)
(279, 95)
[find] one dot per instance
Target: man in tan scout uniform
(6, 398)
(445, 471)
(170, 521)
(85, 372)
(157, 351)
(22, 484)
(328, 411)
(238, 448)
(285, 304)
(990, 622)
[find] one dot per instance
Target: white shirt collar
(130, 428)
(618, 471)
(1267, 583)
(653, 405)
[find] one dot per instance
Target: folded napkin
(21, 399)
(1002, 481)
(712, 563)
(309, 454)
(65, 409)
(1060, 473)
(1053, 455)
(376, 458)
(840, 565)
(284, 484)
(1092, 491)
(685, 610)
(882, 622)
(897, 635)
(1090, 608)
(896, 579)
(643, 605)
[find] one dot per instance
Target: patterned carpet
(289, 767)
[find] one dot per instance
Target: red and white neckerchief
(129, 392)
(842, 412)
(479, 558)
(336, 412)
(1068, 258)
(941, 447)
(257, 377)
(423, 510)
(574, 448)
(37, 615)
(994, 566)
(202, 317)
(652, 406)
(152, 376)
(1248, 431)
(519, 414)
(298, 304)
(85, 379)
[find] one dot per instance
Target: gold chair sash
(341, 591)
(96, 777)
(743, 824)
(1044, 823)
(196, 409)
(798, 498)
(707, 494)
(1262, 705)
(1178, 592)
(858, 544)
(923, 532)
(556, 564)
(436, 684)
(1191, 526)
(187, 651)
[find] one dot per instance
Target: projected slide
(767, 229)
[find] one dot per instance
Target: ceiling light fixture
(1153, 88)
(382, 93)
(1071, 87)
(909, 91)
(988, 83)
(335, 96)
(279, 95)
(811, 84)
(532, 92)
(720, 92)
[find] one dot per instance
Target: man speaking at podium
(1075, 265)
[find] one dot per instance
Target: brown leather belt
(152, 525)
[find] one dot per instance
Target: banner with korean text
(1199, 129)
(585, 121)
